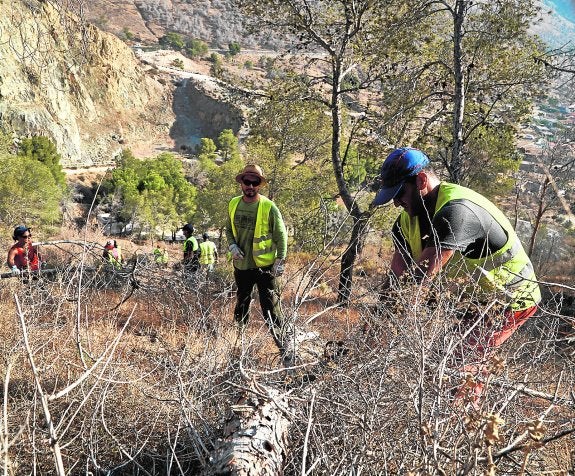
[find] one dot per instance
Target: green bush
(172, 40)
(178, 63)
(43, 150)
(196, 47)
(234, 48)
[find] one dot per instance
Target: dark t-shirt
(460, 225)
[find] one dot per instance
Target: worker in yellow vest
(161, 256)
(191, 260)
(113, 254)
(257, 240)
(446, 229)
(209, 253)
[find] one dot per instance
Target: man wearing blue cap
(449, 228)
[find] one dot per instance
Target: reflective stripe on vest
(263, 251)
(509, 269)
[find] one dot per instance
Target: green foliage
(178, 63)
(127, 33)
(351, 81)
(43, 150)
(486, 68)
(207, 150)
(353, 170)
(492, 153)
(293, 128)
(249, 64)
(214, 196)
(152, 193)
(234, 48)
(6, 143)
(196, 48)
(228, 144)
(216, 68)
(172, 40)
(28, 191)
(221, 185)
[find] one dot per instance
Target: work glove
(279, 267)
(236, 252)
(15, 271)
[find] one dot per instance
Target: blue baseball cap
(400, 164)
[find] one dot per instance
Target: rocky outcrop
(217, 22)
(81, 87)
(204, 108)
(88, 92)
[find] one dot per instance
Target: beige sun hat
(251, 170)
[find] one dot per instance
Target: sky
(557, 29)
(565, 8)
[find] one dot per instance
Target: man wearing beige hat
(257, 241)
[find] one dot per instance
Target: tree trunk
(354, 248)
(538, 216)
(456, 165)
(255, 439)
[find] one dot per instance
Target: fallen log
(255, 436)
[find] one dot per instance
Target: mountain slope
(216, 22)
(81, 87)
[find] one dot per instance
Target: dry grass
(142, 368)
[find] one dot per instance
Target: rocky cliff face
(204, 108)
(81, 87)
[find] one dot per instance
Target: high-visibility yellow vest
(116, 260)
(508, 270)
(190, 244)
(262, 245)
(160, 256)
(208, 255)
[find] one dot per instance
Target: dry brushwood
(375, 403)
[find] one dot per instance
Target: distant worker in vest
(191, 251)
(257, 241)
(161, 257)
(113, 254)
(449, 228)
(23, 256)
(209, 254)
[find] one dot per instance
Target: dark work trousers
(269, 294)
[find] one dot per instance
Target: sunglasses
(253, 183)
